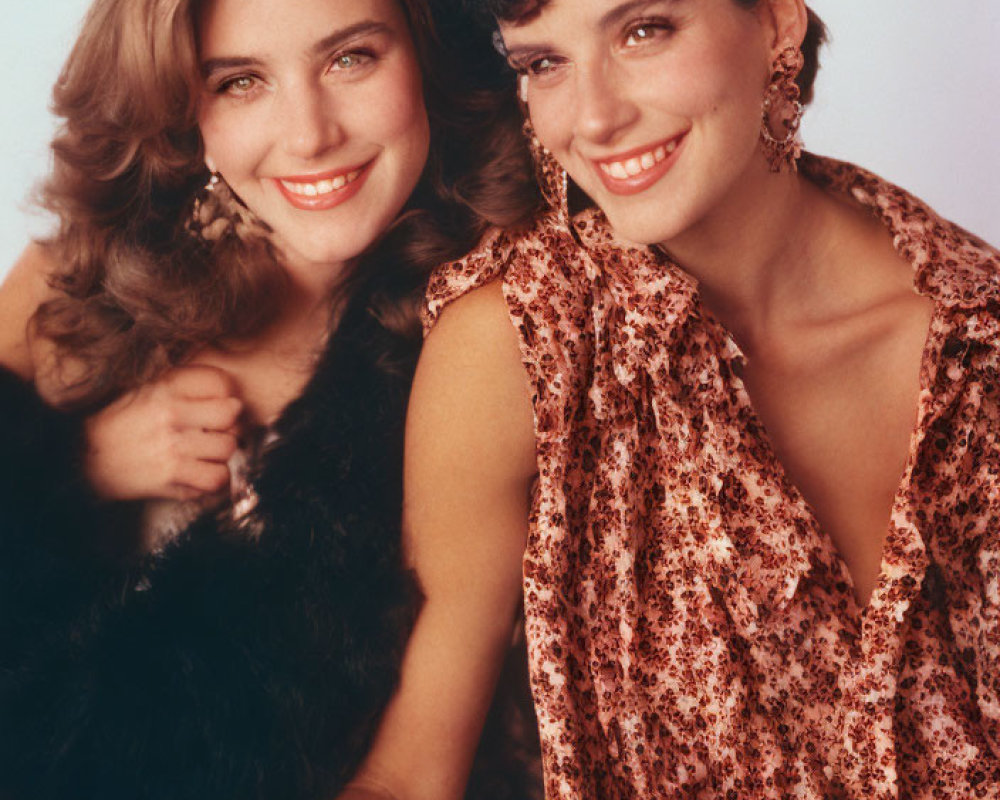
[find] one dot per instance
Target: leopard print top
(691, 631)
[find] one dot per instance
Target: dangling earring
(782, 147)
(552, 178)
(216, 212)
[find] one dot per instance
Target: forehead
(593, 13)
(240, 26)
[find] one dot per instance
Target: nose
(604, 107)
(308, 121)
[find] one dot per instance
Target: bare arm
(470, 460)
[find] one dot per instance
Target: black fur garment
(227, 666)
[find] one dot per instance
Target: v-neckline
(821, 540)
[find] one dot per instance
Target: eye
(237, 86)
(641, 33)
(352, 60)
(541, 65)
(538, 66)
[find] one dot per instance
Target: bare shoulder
(481, 314)
(471, 382)
(475, 335)
(24, 289)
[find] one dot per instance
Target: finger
(221, 414)
(205, 477)
(203, 445)
(178, 491)
(200, 381)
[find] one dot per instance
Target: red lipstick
(647, 176)
(326, 196)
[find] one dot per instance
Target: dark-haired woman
(755, 396)
(203, 592)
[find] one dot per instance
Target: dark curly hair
(138, 294)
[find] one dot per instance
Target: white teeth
(324, 186)
(631, 167)
(617, 170)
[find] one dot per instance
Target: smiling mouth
(324, 190)
(636, 170)
(320, 187)
(638, 164)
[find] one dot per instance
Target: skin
(187, 421)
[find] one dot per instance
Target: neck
(759, 256)
(305, 315)
(311, 285)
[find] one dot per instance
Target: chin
(333, 245)
(641, 229)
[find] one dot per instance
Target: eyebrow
(335, 40)
(609, 19)
(615, 15)
(324, 45)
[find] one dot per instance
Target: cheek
(230, 139)
(394, 113)
(722, 99)
(551, 115)
(733, 87)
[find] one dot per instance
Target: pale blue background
(35, 38)
(909, 88)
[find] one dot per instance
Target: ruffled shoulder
(952, 266)
(453, 279)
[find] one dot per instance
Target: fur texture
(225, 667)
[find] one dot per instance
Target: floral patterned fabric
(691, 630)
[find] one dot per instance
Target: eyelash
(361, 57)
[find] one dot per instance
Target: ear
(786, 22)
(210, 163)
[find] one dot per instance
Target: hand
(167, 439)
